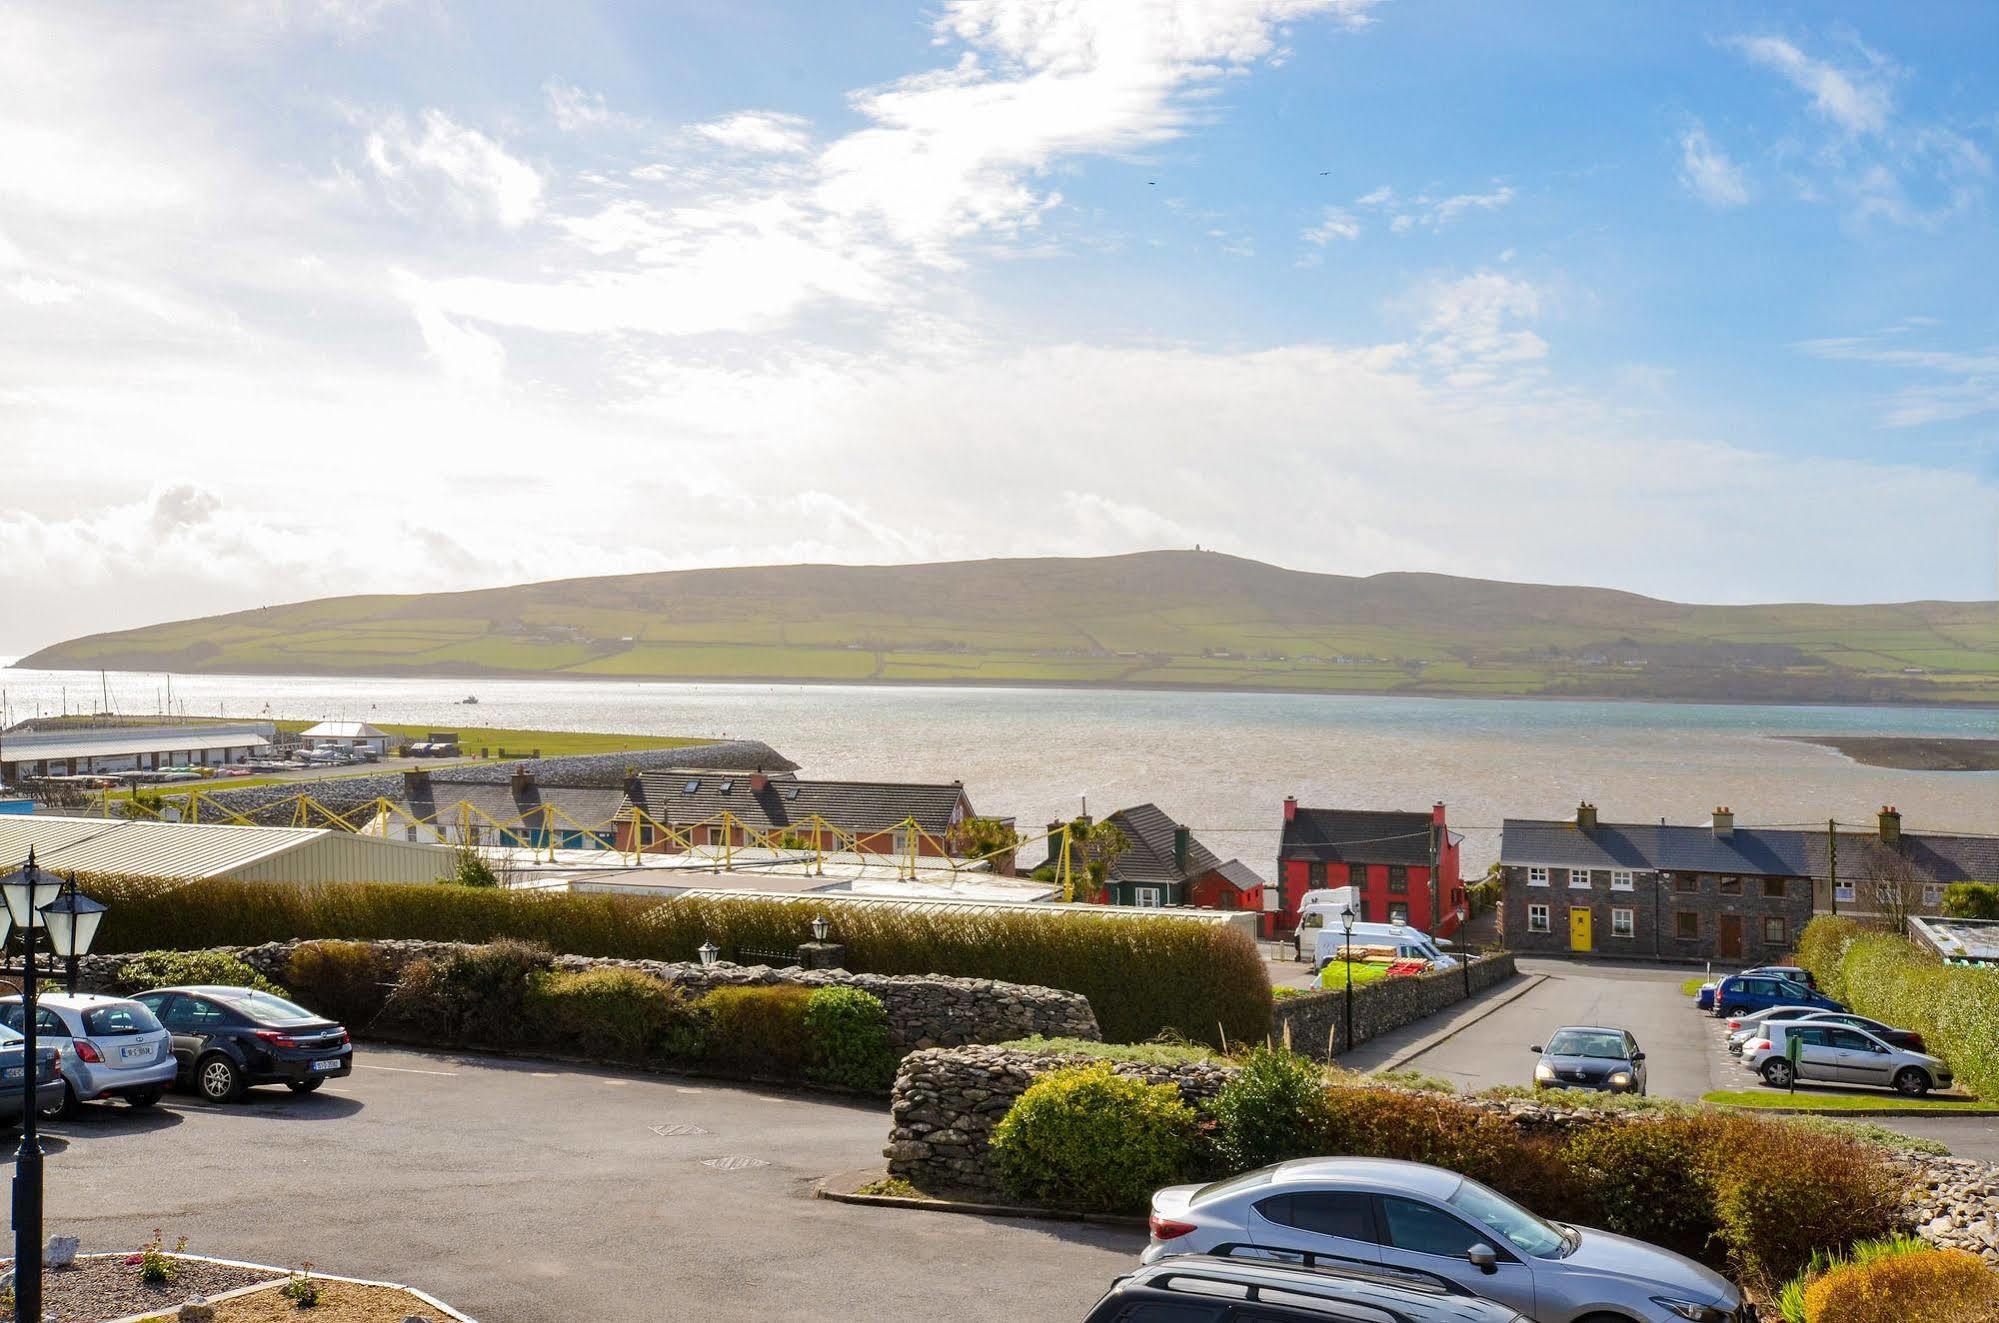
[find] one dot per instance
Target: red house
(1167, 865)
(1385, 854)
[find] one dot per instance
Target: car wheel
(66, 1110)
(305, 1085)
(1912, 1081)
(218, 1079)
(1777, 1073)
(146, 1099)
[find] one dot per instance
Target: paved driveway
(519, 1191)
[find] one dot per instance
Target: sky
(306, 297)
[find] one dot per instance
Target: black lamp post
(26, 892)
(1346, 953)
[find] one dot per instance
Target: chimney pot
(1724, 823)
(1585, 816)
(1290, 808)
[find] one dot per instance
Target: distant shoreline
(475, 674)
(1911, 753)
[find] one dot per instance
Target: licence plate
(140, 1053)
(15, 1072)
(332, 1063)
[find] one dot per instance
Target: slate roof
(1655, 847)
(1150, 858)
(1930, 857)
(586, 806)
(853, 805)
(1365, 836)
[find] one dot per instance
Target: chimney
(1181, 836)
(635, 788)
(416, 783)
(1723, 823)
(521, 781)
(1891, 825)
(1586, 817)
(1290, 808)
(1437, 813)
(758, 781)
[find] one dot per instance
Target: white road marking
(402, 1070)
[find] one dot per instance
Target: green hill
(1165, 618)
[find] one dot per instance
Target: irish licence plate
(331, 1063)
(137, 1053)
(14, 1072)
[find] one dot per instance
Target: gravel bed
(92, 1290)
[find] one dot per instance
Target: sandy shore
(1911, 753)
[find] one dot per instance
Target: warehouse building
(87, 750)
(201, 851)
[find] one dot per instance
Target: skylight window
(726, 787)
(791, 792)
(690, 787)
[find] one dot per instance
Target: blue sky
(312, 296)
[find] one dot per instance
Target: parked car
(1590, 1057)
(1744, 1028)
(227, 1039)
(1841, 1054)
(111, 1047)
(14, 1077)
(1409, 1216)
(1746, 993)
(1200, 1288)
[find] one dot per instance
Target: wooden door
(1579, 929)
(1728, 938)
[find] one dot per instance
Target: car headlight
(1544, 1071)
(1692, 1309)
(1621, 1080)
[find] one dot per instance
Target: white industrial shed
(200, 851)
(85, 750)
(345, 735)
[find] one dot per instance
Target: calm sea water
(1221, 762)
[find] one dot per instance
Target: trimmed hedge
(760, 1031)
(1088, 1137)
(614, 1014)
(1954, 1008)
(1142, 977)
(848, 1029)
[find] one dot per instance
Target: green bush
(1971, 900)
(1202, 980)
(165, 969)
(1087, 1137)
(344, 981)
(757, 1030)
(1642, 1179)
(474, 995)
(1954, 1008)
(470, 869)
(1274, 1107)
(848, 1033)
(1446, 1132)
(610, 1013)
(1782, 1194)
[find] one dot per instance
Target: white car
(1840, 1054)
(111, 1047)
(1410, 1217)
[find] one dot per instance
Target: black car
(1587, 1056)
(1219, 1288)
(14, 1073)
(227, 1039)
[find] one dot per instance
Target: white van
(1408, 944)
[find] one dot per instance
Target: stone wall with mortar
(1316, 1022)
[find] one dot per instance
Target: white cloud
(575, 110)
(40, 291)
(1708, 173)
(1473, 329)
(1857, 98)
(1432, 211)
(1949, 385)
(482, 180)
(759, 131)
(1337, 223)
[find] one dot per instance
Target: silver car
(1410, 1216)
(110, 1047)
(1840, 1054)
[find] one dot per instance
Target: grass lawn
(552, 743)
(1334, 978)
(1692, 987)
(1812, 1100)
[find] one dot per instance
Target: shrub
(1643, 1179)
(848, 1033)
(1200, 979)
(1088, 1137)
(161, 969)
(1822, 945)
(759, 1030)
(1273, 1108)
(473, 995)
(616, 1014)
(1971, 900)
(470, 869)
(1948, 1286)
(1782, 1193)
(1444, 1132)
(1791, 1300)
(345, 981)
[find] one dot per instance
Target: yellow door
(1579, 939)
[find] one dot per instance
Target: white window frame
(1932, 894)
(1763, 930)
(1582, 873)
(1147, 898)
(1537, 918)
(1843, 891)
(1537, 877)
(1622, 924)
(899, 841)
(1622, 879)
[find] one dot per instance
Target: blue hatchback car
(1745, 994)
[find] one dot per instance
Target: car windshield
(1524, 1231)
(9, 1034)
(266, 1009)
(124, 1018)
(1791, 989)
(1597, 1043)
(1249, 1180)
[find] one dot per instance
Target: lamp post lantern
(821, 929)
(708, 952)
(26, 891)
(1346, 952)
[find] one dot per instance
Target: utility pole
(1832, 861)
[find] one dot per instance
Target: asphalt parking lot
(1484, 1042)
(525, 1191)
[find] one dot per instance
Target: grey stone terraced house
(1654, 891)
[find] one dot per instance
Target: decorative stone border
(845, 1189)
(283, 1275)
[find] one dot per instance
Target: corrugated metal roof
(205, 850)
(106, 744)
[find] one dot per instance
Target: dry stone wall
(1315, 1024)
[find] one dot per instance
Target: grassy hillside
(1155, 618)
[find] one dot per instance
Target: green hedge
(167, 969)
(1142, 976)
(1088, 1137)
(1954, 1008)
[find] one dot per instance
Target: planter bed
(339, 1302)
(105, 1286)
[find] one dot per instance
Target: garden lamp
(1346, 952)
(708, 952)
(27, 890)
(72, 920)
(820, 928)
